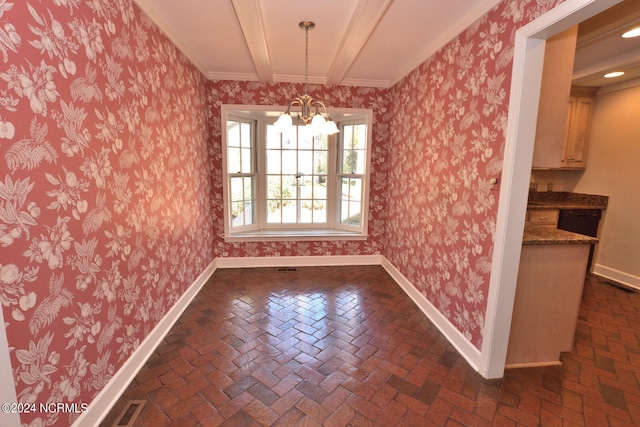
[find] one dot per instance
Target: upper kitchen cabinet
(560, 112)
(576, 139)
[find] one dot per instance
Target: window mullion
(261, 184)
(332, 181)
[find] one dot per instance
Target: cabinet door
(574, 154)
(555, 91)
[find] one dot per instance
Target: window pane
(360, 137)
(289, 187)
(305, 162)
(320, 188)
(306, 211)
(289, 162)
(237, 192)
(248, 188)
(319, 211)
(274, 187)
(233, 160)
(305, 138)
(273, 138)
(289, 139)
(321, 143)
(351, 204)
(353, 151)
(247, 164)
(233, 134)
(273, 162)
(320, 162)
(274, 211)
(245, 135)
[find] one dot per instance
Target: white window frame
(261, 231)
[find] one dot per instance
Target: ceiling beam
(251, 22)
(364, 20)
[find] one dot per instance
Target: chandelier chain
(306, 59)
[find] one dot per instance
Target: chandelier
(311, 109)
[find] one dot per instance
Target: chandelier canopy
(311, 114)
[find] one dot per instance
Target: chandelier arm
(310, 107)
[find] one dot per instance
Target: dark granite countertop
(536, 234)
(566, 200)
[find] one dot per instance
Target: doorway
(518, 155)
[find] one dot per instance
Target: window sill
(294, 235)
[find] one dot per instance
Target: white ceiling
(355, 42)
(601, 49)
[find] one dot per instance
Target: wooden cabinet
(543, 217)
(547, 302)
(555, 91)
(576, 139)
(564, 111)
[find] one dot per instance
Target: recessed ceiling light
(614, 74)
(632, 33)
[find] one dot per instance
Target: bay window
(294, 185)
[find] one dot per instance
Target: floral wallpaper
(253, 93)
(448, 134)
(105, 191)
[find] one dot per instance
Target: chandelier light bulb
(317, 120)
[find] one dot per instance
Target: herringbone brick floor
(344, 346)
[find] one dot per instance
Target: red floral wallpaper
(105, 191)
(448, 136)
(253, 93)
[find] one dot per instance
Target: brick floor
(344, 346)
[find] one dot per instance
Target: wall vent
(286, 269)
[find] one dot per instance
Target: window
(294, 186)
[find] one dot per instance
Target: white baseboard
(617, 276)
(298, 261)
(109, 395)
(471, 354)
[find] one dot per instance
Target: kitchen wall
(105, 192)
(612, 169)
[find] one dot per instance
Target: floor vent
(286, 269)
(129, 414)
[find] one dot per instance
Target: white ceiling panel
(355, 42)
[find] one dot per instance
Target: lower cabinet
(547, 302)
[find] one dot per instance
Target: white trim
(275, 235)
(243, 77)
(298, 261)
(522, 117)
(451, 333)
(8, 388)
(609, 273)
(109, 395)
